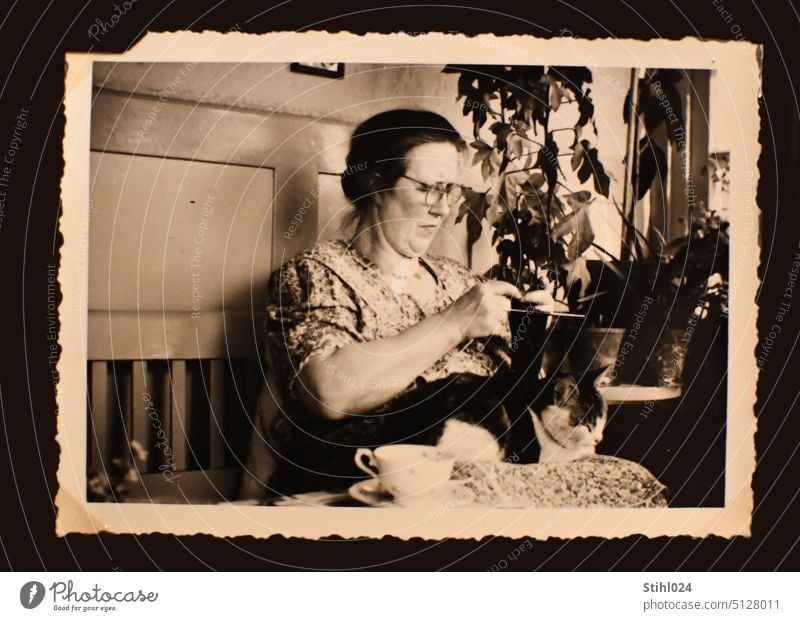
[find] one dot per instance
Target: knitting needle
(552, 314)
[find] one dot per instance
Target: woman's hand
(542, 301)
(483, 310)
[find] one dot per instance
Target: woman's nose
(441, 207)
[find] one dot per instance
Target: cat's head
(580, 395)
(572, 409)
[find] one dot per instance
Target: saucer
(450, 494)
(371, 493)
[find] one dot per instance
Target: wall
(273, 90)
(365, 90)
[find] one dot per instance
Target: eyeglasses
(434, 192)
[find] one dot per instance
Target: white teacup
(408, 472)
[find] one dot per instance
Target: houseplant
(541, 120)
(679, 281)
(540, 226)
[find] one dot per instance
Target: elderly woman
(354, 324)
(365, 335)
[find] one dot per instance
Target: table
(632, 393)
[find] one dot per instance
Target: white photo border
(735, 60)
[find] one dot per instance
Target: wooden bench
(183, 389)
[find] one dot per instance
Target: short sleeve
(310, 312)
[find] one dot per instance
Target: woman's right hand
(483, 310)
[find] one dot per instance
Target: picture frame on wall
(325, 70)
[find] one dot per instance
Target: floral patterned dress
(332, 296)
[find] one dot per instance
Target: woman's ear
(377, 192)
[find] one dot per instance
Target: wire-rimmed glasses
(434, 192)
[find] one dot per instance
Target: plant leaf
(515, 146)
(585, 171)
(674, 121)
(505, 249)
(652, 162)
(138, 452)
(592, 167)
(555, 96)
(582, 235)
(576, 223)
(578, 272)
(573, 78)
(520, 126)
(626, 108)
(470, 95)
(479, 117)
(577, 157)
(500, 130)
(536, 179)
(534, 201)
(482, 151)
(490, 165)
(466, 83)
(660, 103)
(474, 204)
(579, 200)
(548, 160)
(586, 108)
(662, 241)
(474, 207)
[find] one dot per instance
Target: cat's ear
(564, 388)
(594, 376)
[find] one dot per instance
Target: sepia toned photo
(419, 286)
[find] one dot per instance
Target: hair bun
(352, 184)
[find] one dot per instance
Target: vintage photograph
(414, 298)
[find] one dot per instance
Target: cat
(474, 418)
(569, 416)
(462, 414)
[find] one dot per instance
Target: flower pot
(653, 358)
(590, 348)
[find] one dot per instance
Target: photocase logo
(31, 594)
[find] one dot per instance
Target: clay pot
(592, 348)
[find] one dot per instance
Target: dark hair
(380, 144)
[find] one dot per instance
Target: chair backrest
(189, 410)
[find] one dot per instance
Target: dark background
(35, 37)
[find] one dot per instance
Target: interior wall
(164, 257)
(365, 90)
(273, 92)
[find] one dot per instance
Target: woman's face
(404, 221)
